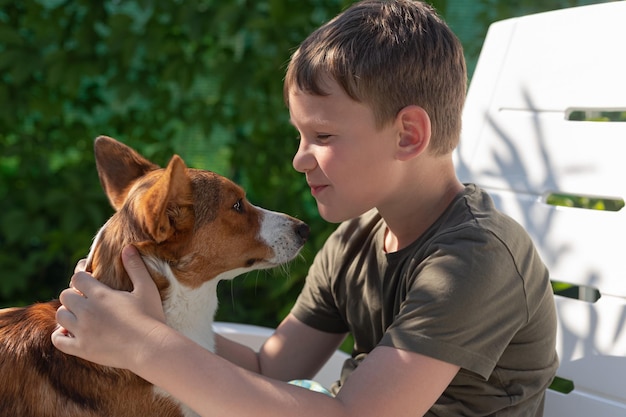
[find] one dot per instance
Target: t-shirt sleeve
(466, 301)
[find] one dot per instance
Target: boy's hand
(108, 326)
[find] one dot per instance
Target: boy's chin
(333, 215)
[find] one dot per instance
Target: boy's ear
(415, 131)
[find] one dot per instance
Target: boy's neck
(419, 205)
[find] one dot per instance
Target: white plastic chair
(534, 74)
(255, 336)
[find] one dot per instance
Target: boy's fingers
(137, 271)
(61, 339)
(65, 318)
(144, 287)
(80, 266)
(84, 283)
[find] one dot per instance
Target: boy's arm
(389, 382)
(239, 354)
(307, 351)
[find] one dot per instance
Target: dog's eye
(238, 206)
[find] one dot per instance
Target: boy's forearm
(213, 386)
(240, 355)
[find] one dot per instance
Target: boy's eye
(318, 138)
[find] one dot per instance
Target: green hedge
(199, 78)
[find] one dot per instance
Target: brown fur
(183, 216)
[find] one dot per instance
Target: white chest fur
(190, 311)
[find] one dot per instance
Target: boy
(449, 304)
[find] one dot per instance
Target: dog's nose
(302, 230)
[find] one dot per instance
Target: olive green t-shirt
(471, 291)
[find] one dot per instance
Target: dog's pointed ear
(167, 205)
(119, 166)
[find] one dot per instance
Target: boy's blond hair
(388, 55)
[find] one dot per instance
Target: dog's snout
(283, 234)
(302, 230)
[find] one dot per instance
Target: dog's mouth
(258, 263)
(253, 261)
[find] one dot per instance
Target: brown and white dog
(193, 228)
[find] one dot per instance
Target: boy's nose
(303, 160)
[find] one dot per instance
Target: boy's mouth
(316, 189)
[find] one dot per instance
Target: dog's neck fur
(188, 310)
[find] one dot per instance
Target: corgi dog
(192, 228)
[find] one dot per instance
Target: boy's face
(349, 163)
